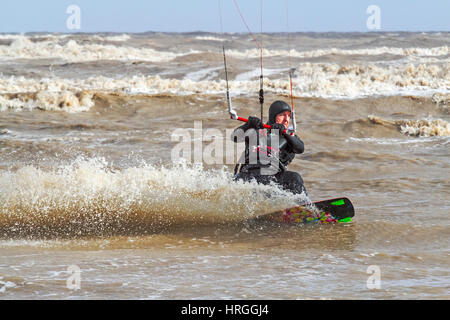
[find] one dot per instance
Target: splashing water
(89, 196)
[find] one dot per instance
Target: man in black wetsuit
(268, 152)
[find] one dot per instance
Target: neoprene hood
(276, 108)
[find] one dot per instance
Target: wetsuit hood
(277, 107)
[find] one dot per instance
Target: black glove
(278, 127)
(254, 122)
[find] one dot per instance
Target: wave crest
(421, 128)
(22, 47)
(67, 101)
(312, 80)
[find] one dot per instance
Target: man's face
(283, 118)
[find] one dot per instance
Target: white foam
(116, 38)
(326, 80)
(5, 285)
(421, 128)
(72, 51)
(90, 188)
(426, 128)
(203, 74)
(209, 38)
(255, 53)
(36, 36)
(23, 48)
(67, 101)
(255, 73)
(388, 141)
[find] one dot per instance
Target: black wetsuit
(280, 155)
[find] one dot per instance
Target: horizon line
(225, 33)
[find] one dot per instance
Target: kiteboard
(332, 211)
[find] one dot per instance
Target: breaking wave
(67, 101)
(69, 49)
(23, 48)
(209, 38)
(420, 128)
(420, 52)
(313, 80)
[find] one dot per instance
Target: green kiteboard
(332, 211)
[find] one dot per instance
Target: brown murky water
(88, 178)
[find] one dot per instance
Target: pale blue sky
(203, 15)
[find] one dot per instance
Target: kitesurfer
(269, 151)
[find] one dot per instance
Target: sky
(18, 16)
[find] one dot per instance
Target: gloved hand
(254, 122)
(278, 127)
